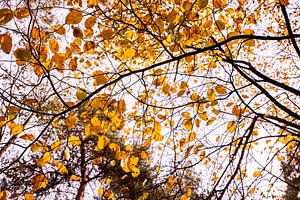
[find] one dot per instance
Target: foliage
(147, 99)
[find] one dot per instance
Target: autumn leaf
(22, 54)
(102, 143)
(28, 196)
(21, 13)
(44, 160)
(74, 140)
(59, 29)
(75, 177)
(211, 95)
(81, 94)
(53, 45)
(6, 16)
(61, 167)
(257, 174)
(107, 34)
(6, 43)
(74, 17)
(231, 126)
(17, 129)
(220, 89)
(90, 22)
(188, 124)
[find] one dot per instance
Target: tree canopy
(162, 99)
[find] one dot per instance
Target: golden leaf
(107, 34)
(44, 160)
(67, 154)
(81, 94)
(28, 196)
(59, 29)
(56, 145)
(188, 124)
(21, 13)
(102, 143)
(74, 140)
(90, 22)
(257, 174)
(220, 89)
(28, 137)
(40, 181)
(231, 126)
(5, 16)
(6, 43)
(211, 95)
(100, 191)
(220, 25)
(74, 17)
(3, 195)
(53, 45)
(75, 178)
(17, 129)
(192, 136)
(61, 167)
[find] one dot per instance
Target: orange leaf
(6, 43)
(53, 45)
(74, 17)
(220, 89)
(231, 126)
(21, 13)
(5, 16)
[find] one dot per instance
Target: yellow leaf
(114, 147)
(6, 43)
(252, 190)
(95, 121)
(220, 89)
(5, 16)
(231, 126)
(121, 106)
(157, 127)
(170, 183)
(184, 197)
(74, 140)
(53, 45)
(203, 116)
(81, 94)
(257, 174)
(61, 167)
(124, 163)
(21, 13)
(135, 172)
(188, 124)
(102, 142)
(59, 29)
(17, 129)
(56, 145)
(75, 178)
(74, 17)
(192, 136)
(211, 95)
(28, 137)
(100, 191)
(71, 121)
(129, 53)
(44, 160)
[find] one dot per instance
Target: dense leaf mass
(169, 99)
